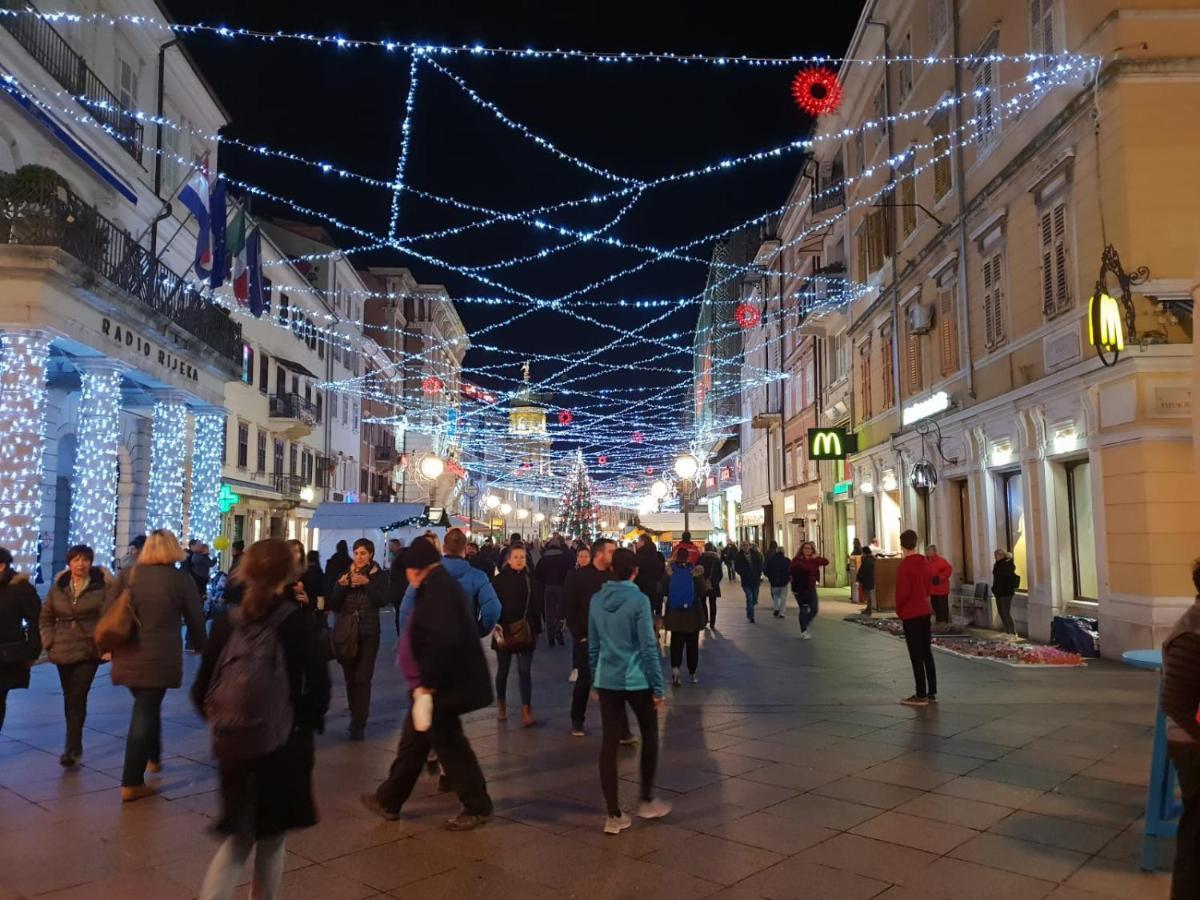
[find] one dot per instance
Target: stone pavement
(793, 771)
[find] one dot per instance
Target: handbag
(325, 648)
(119, 623)
(518, 636)
(345, 637)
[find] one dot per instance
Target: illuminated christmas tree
(578, 513)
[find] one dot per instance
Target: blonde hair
(162, 549)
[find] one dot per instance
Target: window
(1083, 534)
(345, 410)
(266, 282)
(838, 357)
(966, 560)
(860, 156)
(356, 417)
(307, 466)
(878, 244)
(261, 461)
(993, 298)
(243, 444)
(943, 173)
(285, 314)
(939, 22)
(127, 83)
(293, 457)
(879, 109)
(864, 379)
(320, 407)
(247, 364)
(1014, 522)
(908, 195)
(169, 160)
(887, 352)
(278, 454)
(987, 103)
(1041, 30)
(264, 372)
(947, 325)
(1056, 280)
(906, 67)
(787, 467)
(914, 370)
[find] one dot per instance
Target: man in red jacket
(912, 606)
(939, 583)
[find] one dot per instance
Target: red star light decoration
(602, 460)
(566, 417)
(649, 470)
(637, 437)
(747, 315)
(817, 90)
(432, 385)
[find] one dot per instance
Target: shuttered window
(864, 378)
(914, 370)
(908, 197)
(939, 22)
(878, 240)
(987, 106)
(947, 329)
(887, 397)
(1041, 30)
(943, 177)
(993, 299)
(1056, 281)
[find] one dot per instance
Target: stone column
(164, 506)
(22, 419)
(94, 494)
(205, 511)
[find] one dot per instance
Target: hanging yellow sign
(1105, 331)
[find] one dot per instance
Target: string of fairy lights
(629, 433)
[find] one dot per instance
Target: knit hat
(421, 555)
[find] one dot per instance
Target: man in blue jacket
(484, 605)
(623, 659)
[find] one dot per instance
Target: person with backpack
(1004, 584)
(710, 564)
(264, 692)
(516, 632)
(358, 595)
(750, 571)
(777, 568)
(685, 614)
(806, 569)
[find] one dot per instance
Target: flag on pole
(217, 213)
(236, 242)
(258, 298)
(194, 197)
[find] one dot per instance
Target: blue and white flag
(194, 197)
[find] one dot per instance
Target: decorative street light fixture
(686, 467)
(432, 467)
(659, 489)
(491, 501)
(505, 510)
(540, 519)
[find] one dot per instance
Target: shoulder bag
(119, 623)
(516, 637)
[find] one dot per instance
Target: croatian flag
(194, 197)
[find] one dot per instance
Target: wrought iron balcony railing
(293, 406)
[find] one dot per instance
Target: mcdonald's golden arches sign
(830, 443)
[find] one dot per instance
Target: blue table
(1162, 811)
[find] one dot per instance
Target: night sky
(641, 120)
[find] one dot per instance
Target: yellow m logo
(1104, 323)
(826, 444)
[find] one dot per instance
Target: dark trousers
(143, 744)
(941, 607)
(689, 640)
(806, 599)
(3, 705)
(453, 752)
(712, 609)
(583, 687)
(729, 566)
(1185, 880)
(1004, 608)
(552, 597)
(615, 722)
(524, 674)
(76, 680)
(359, 672)
(918, 635)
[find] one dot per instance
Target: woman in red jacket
(806, 569)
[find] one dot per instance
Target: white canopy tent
(333, 522)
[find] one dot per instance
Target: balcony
(36, 212)
(54, 54)
(830, 197)
(292, 487)
(293, 415)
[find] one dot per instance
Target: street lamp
(540, 518)
(491, 501)
(686, 467)
(505, 509)
(659, 489)
(432, 467)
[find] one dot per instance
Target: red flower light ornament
(817, 90)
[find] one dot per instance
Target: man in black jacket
(652, 568)
(551, 571)
(443, 659)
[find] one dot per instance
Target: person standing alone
(940, 571)
(358, 595)
(915, 612)
(1004, 584)
(623, 659)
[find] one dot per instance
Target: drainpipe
(964, 297)
(158, 145)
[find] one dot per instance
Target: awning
(294, 366)
(361, 516)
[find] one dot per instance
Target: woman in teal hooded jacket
(623, 655)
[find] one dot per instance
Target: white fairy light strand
(94, 493)
(204, 517)
(22, 424)
(164, 505)
(405, 140)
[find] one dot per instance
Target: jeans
(454, 753)
(918, 635)
(778, 597)
(1185, 880)
(729, 566)
(524, 676)
(143, 744)
(689, 640)
(225, 871)
(809, 606)
(554, 622)
(1004, 608)
(76, 680)
(615, 722)
(751, 591)
(359, 672)
(941, 607)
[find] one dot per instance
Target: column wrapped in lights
(205, 513)
(22, 421)
(164, 507)
(94, 493)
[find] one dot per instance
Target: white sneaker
(617, 824)
(675, 678)
(574, 676)
(806, 635)
(695, 678)
(653, 809)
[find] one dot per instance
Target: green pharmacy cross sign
(228, 499)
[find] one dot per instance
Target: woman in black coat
(357, 597)
(1004, 585)
(20, 643)
(866, 579)
(520, 600)
(264, 797)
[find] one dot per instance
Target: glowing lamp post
(491, 501)
(686, 467)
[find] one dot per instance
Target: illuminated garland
(164, 506)
(94, 488)
(406, 137)
(204, 519)
(22, 421)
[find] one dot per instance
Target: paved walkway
(793, 770)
